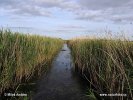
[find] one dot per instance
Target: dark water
(61, 82)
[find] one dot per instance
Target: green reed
(106, 63)
(22, 55)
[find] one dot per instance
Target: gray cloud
(72, 27)
(48, 3)
(20, 7)
(96, 10)
(35, 7)
(34, 11)
(104, 4)
(115, 10)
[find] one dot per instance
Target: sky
(68, 18)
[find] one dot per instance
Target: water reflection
(61, 83)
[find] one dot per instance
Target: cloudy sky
(67, 18)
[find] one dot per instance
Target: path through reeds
(61, 83)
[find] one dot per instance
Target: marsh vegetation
(107, 64)
(23, 57)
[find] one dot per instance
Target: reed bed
(107, 64)
(22, 56)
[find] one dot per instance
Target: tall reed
(107, 64)
(20, 55)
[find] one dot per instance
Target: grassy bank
(22, 56)
(106, 64)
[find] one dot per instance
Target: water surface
(61, 82)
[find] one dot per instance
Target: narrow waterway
(61, 82)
